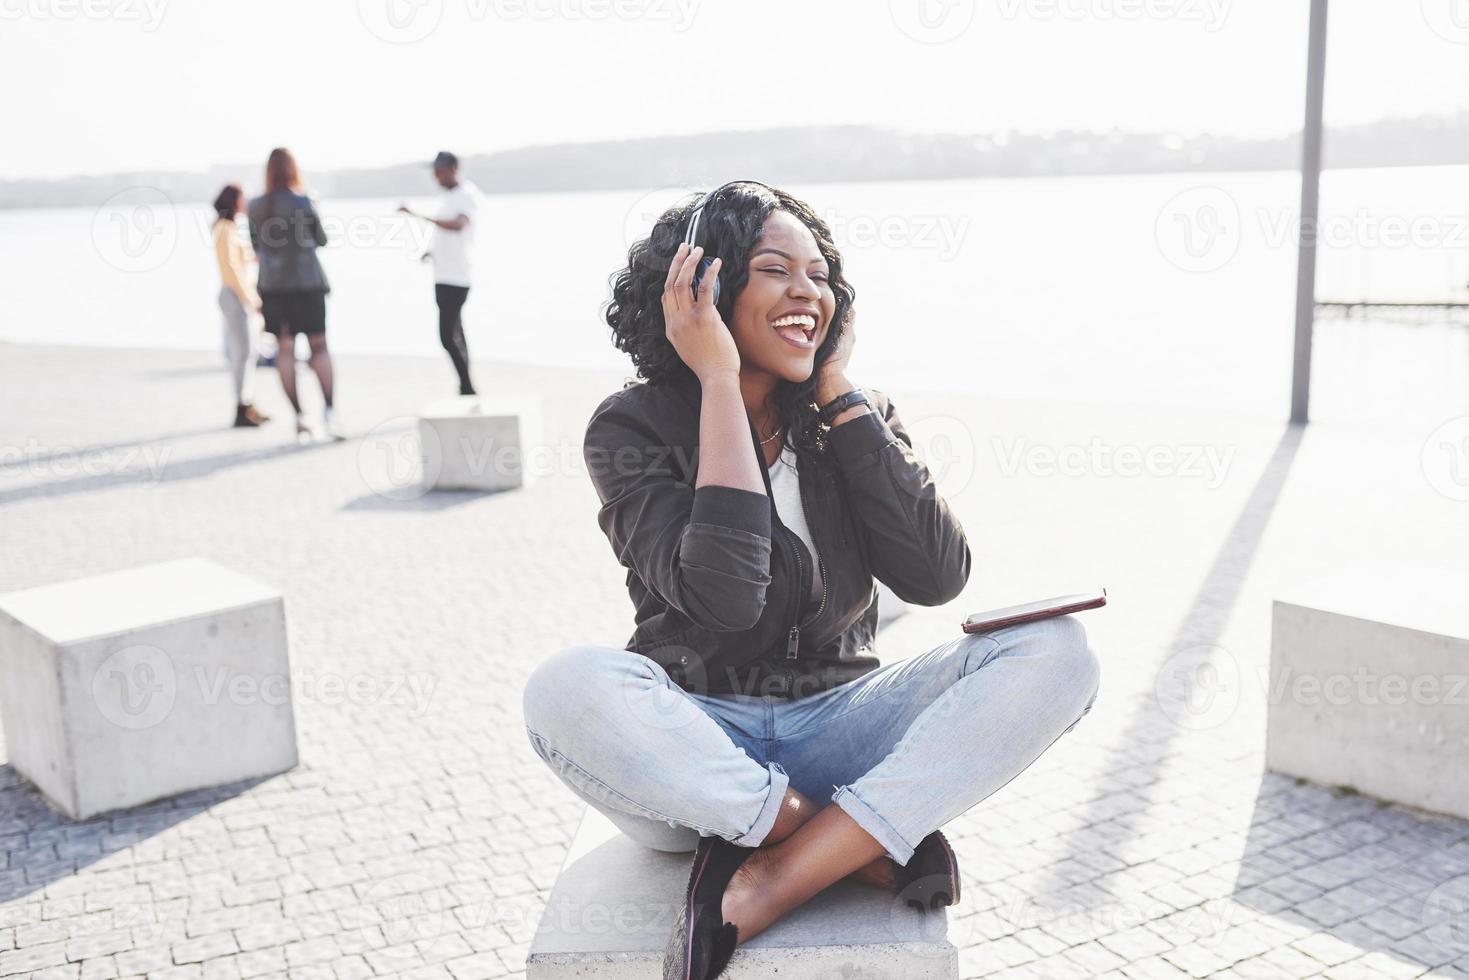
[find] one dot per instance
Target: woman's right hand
(693, 326)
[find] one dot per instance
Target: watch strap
(841, 403)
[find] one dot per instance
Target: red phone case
(982, 622)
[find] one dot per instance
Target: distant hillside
(811, 155)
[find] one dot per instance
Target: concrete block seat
(615, 901)
(124, 688)
(472, 442)
(1369, 684)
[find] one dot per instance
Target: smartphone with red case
(1029, 612)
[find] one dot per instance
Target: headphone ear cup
(704, 265)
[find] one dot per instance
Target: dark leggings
(451, 330)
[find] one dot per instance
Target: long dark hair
(228, 202)
(730, 227)
(281, 172)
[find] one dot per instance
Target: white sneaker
(332, 426)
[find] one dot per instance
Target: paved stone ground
(420, 835)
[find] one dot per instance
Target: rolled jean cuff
(766, 820)
(867, 818)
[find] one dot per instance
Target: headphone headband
(694, 215)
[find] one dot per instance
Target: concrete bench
(470, 442)
(1369, 684)
(128, 687)
(614, 904)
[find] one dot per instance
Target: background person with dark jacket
(743, 702)
(286, 231)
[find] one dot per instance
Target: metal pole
(1300, 393)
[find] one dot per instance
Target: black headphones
(693, 231)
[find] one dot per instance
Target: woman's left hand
(833, 374)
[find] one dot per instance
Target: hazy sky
(108, 85)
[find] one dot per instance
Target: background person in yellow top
(238, 299)
(451, 251)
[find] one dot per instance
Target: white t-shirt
(785, 487)
(451, 250)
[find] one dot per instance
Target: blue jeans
(904, 749)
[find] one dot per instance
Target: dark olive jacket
(286, 231)
(722, 589)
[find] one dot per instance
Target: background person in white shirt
(450, 250)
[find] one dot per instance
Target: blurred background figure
(238, 299)
(286, 232)
(450, 251)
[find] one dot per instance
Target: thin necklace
(771, 436)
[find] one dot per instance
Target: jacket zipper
(793, 636)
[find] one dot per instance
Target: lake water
(1162, 290)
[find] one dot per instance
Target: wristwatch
(841, 403)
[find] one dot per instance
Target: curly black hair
(731, 225)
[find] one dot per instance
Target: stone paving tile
(420, 836)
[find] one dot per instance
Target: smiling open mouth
(798, 330)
